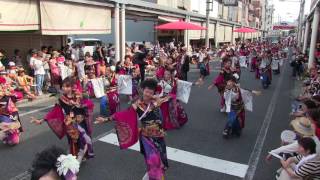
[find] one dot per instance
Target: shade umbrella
(245, 30)
(180, 25)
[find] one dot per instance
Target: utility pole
(300, 22)
(208, 9)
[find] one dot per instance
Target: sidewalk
(297, 89)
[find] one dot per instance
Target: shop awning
(168, 19)
(283, 27)
(61, 18)
(19, 15)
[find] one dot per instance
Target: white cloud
(288, 10)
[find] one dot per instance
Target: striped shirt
(310, 169)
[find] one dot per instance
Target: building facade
(119, 21)
(269, 18)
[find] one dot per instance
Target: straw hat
(55, 53)
(21, 69)
(303, 126)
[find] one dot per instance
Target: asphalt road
(201, 137)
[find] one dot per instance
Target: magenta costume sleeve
(89, 106)
(126, 125)
(55, 120)
(173, 113)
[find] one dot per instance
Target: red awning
(179, 25)
(245, 30)
(283, 27)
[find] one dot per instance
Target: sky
(288, 10)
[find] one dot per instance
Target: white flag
(243, 61)
(183, 90)
(275, 65)
(125, 84)
(98, 87)
(247, 99)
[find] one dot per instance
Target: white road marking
(193, 159)
(255, 155)
(36, 110)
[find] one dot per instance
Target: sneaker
(225, 132)
(223, 109)
(40, 93)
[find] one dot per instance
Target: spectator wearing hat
(12, 70)
(24, 83)
(306, 165)
(303, 127)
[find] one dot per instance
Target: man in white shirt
(37, 65)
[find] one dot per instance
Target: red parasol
(180, 25)
(245, 30)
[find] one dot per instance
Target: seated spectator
(7, 80)
(305, 165)
(304, 107)
(24, 83)
(12, 70)
(303, 128)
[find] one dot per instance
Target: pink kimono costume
(113, 96)
(62, 120)
(173, 113)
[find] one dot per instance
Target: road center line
(193, 159)
(255, 155)
(36, 110)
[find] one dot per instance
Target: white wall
(200, 7)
